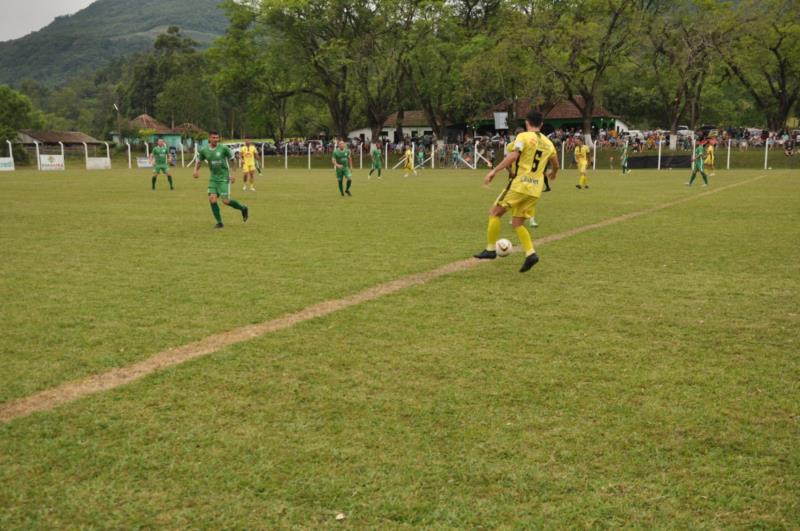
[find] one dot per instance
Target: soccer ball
(504, 247)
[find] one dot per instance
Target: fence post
(309, 155)
(183, 159)
(694, 147)
(766, 152)
(386, 145)
(729, 155)
(130, 162)
(659, 152)
(361, 156)
(262, 156)
(433, 155)
(286, 155)
(38, 156)
(563, 153)
(594, 156)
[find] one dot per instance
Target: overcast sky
(20, 17)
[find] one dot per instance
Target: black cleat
(586, 187)
(486, 255)
(348, 193)
(245, 214)
(578, 186)
(529, 262)
(219, 226)
(547, 189)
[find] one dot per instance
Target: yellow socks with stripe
(525, 239)
(493, 233)
(584, 181)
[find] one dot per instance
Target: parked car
(683, 130)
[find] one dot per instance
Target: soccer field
(645, 373)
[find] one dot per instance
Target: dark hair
(211, 133)
(519, 130)
(535, 118)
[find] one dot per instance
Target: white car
(683, 130)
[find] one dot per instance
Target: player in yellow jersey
(249, 153)
(508, 149)
(408, 162)
(711, 156)
(582, 160)
(529, 157)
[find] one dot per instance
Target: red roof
(410, 119)
(54, 137)
(145, 121)
(566, 110)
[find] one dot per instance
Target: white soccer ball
(504, 247)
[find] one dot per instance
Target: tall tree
(760, 46)
(16, 112)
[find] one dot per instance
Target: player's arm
(554, 167)
(350, 158)
(196, 172)
(510, 159)
(335, 164)
(232, 167)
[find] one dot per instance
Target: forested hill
(106, 29)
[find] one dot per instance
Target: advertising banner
(51, 162)
(6, 164)
(500, 120)
(143, 162)
(98, 163)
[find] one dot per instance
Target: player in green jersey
(377, 163)
(222, 176)
(698, 165)
(343, 161)
(158, 159)
(624, 159)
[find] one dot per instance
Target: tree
(583, 41)
(16, 112)
(760, 46)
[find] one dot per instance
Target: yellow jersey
(709, 154)
(582, 153)
(535, 150)
(408, 157)
(249, 155)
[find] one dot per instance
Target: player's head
(161, 142)
(579, 139)
(213, 137)
(341, 144)
(534, 120)
(248, 142)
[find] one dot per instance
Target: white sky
(20, 17)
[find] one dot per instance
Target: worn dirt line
(70, 391)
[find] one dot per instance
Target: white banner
(98, 163)
(143, 162)
(6, 164)
(51, 162)
(501, 120)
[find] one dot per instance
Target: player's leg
(233, 203)
(704, 176)
(692, 178)
(212, 199)
(340, 179)
(492, 232)
(169, 179)
(154, 179)
(522, 208)
(252, 180)
(349, 177)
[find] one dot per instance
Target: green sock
(216, 212)
(153, 181)
(379, 172)
(349, 182)
(341, 190)
(169, 179)
(370, 172)
(705, 177)
(691, 179)
(233, 203)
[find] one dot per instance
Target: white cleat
(533, 223)
(252, 188)
(244, 188)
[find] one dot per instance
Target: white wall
(407, 131)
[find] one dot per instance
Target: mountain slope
(104, 30)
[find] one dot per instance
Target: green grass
(644, 374)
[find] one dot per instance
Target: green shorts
(219, 188)
(160, 168)
(699, 166)
(343, 173)
(376, 166)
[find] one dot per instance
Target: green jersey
(699, 153)
(342, 157)
(160, 155)
(217, 159)
(376, 153)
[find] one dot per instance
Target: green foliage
(16, 112)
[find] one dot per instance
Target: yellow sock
(492, 233)
(584, 180)
(525, 239)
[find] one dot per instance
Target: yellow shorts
(247, 168)
(520, 205)
(582, 167)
